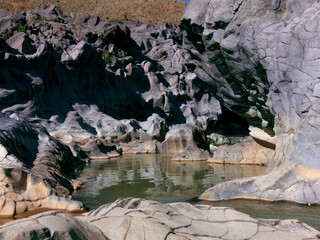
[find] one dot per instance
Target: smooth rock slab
(271, 186)
(154, 222)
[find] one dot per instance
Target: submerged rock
(134, 218)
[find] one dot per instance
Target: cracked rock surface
(266, 55)
(134, 218)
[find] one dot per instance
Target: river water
(157, 178)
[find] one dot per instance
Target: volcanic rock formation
(74, 87)
(266, 54)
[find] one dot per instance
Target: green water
(157, 178)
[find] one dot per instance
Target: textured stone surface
(139, 84)
(142, 219)
(34, 168)
(248, 151)
(185, 142)
(74, 87)
(218, 140)
(22, 43)
(264, 55)
(262, 137)
(53, 225)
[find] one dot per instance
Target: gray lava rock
(3, 13)
(275, 4)
(34, 168)
(185, 142)
(265, 68)
(218, 139)
(155, 126)
(54, 225)
(246, 152)
(22, 43)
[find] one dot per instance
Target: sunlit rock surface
(134, 218)
(247, 151)
(35, 169)
(185, 142)
(74, 87)
(265, 53)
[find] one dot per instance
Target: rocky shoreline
(74, 87)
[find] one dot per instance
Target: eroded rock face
(74, 87)
(185, 142)
(85, 78)
(265, 55)
(35, 169)
(133, 218)
(248, 151)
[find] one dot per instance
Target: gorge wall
(74, 87)
(268, 52)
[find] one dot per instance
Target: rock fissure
(128, 228)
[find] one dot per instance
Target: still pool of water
(157, 178)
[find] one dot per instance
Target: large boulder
(35, 168)
(185, 142)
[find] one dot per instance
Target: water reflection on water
(157, 178)
(153, 177)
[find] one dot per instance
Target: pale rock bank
(134, 218)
